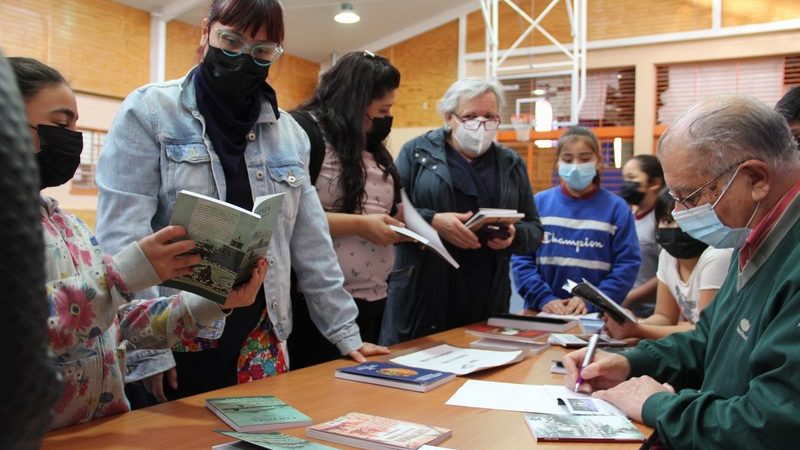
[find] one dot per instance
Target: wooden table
(187, 424)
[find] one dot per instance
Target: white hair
(725, 129)
(467, 89)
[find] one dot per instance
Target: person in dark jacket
(448, 174)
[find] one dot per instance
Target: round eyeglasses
(233, 45)
(473, 123)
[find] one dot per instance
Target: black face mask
(679, 244)
(381, 127)
(233, 77)
(630, 192)
(59, 155)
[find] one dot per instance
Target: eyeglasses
(473, 123)
(233, 45)
(687, 201)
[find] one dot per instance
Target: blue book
(395, 375)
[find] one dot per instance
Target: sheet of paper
(533, 398)
(417, 224)
(460, 361)
(593, 315)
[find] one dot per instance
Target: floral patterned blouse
(92, 317)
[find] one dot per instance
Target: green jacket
(737, 375)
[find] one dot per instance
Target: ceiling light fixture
(347, 15)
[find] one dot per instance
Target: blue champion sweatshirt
(592, 237)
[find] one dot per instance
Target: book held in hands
(379, 433)
(395, 375)
(259, 413)
(487, 216)
(421, 231)
(595, 296)
(229, 239)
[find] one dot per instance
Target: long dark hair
(33, 76)
(340, 105)
(250, 15)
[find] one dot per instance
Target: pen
(587, 358)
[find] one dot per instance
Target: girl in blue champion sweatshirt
(588, 233)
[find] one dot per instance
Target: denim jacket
(157, 146)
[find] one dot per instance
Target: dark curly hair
(340, 105)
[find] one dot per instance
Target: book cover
(595, 296)
(531, 322)
(272, 441)
(507, 333)
(374, 432)
(260, 413)
(590, 428)
(486, 216)
(582, 340)
(230, 240)
(395, 375)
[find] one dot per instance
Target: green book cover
(229, 240)
(272, 441)
(256, 413)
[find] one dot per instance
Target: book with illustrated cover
(521, 322)
(229, 239)
(271, 440)
(260, 413)
(417, 227)
(379, 433)
(583, 428)
(582, 340)
(487, 216)
(595, 296)
(507, 333)
(395, 375)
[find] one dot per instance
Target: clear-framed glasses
(232, 45)
(473, 123)
(688, 201)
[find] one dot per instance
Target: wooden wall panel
(428, 65)
(294, 79)
(746, 12)
(182, 42)
(608, 19)
(25, 29)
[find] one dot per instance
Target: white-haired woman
(448, 174)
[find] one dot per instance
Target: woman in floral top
(92, 317)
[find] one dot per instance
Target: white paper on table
(417, 224)
(532, 398)
(433, 447)
(457, 360)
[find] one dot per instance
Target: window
(83, 180)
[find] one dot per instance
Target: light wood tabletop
(187, 424)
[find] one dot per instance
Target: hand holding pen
(587, 358)
(593, 370)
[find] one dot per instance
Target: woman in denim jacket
(92, 316)
(218, 132)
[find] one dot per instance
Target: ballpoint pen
(587, 358)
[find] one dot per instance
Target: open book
(421, 231)
(486, 216)
(595, 296)
(229, 239)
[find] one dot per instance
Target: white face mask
(475, 142)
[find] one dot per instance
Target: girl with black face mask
(643, 178)
(90, 293)
(689, 275)
(359, 188)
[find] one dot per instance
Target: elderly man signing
(730, 163)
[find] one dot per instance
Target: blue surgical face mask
(577, 176)
(703, 224)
